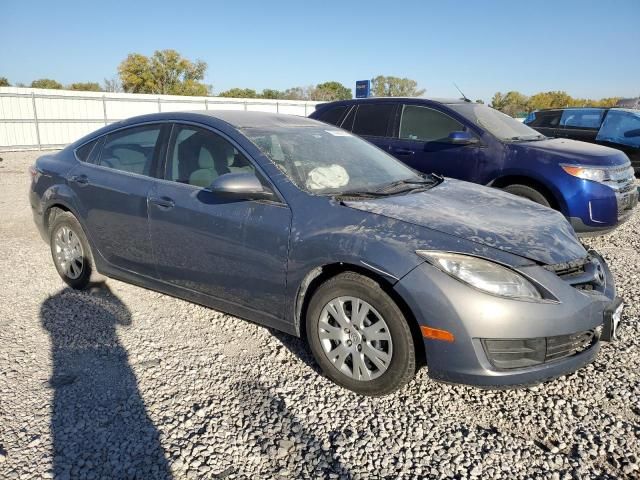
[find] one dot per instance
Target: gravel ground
(122, 382)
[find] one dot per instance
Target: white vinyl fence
(34, 118)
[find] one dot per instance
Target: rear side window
(84, 153)
(373, 119)
(582, 118)
(426, 124)
(545, 119)
(332, 115)
(131, 150)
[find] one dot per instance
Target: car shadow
(298, 347)
(99, 423)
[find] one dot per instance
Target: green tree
(512, 103)
(329, 91)
(382, 86)
(165, 72)
(239, 93)
(46, 83)
(4, 82)
(480, 101)
(85, 86)
(272, 94)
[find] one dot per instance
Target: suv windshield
(502, 126)
(324, 160)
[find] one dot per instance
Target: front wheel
(528, 192)
(359, 336)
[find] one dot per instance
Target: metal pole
(35, 118)
(245, 106)
(159, 105)
(305, 109)
(104, 109)
(277, 107)
(206, 104)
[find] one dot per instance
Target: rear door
(233, 251)
(373, 122)
(545, 121)
(581, 123)
(422, 143)
(112, 193)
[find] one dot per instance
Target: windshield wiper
(421, 182)
(526, 138)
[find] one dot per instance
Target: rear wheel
(70, 250)
(528, 192)
(359, 336)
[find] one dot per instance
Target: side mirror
(461, 138)
(240, 186)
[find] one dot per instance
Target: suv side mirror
(461, 138)
(240, 186)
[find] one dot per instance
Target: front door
(233, 251)
(112, 195)
(423, 144)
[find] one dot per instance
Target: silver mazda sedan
(305, 228)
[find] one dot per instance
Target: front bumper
(440, 301)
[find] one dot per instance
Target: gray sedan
(305, 228)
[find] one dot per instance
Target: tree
(480, 101)
(85, 86)
(382, 86)
(239, 93)
(512, 103)
(329, 91)
(4, 82)
(165, 72)
(46, 83)
(272, 94)
(112, 85)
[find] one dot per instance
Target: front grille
(586, 274)
(527, 352)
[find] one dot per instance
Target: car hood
(484, 215)
(579, 153)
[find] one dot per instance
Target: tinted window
(332, 115)
(84, 152)
(347, 123)
(199, 156)
(621, 127)
(544, 119)
(426, 124)
(131, 150)
(582, 118)
(373, 119)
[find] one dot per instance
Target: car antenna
(464, 97)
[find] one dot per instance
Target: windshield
(323, 160)
(621, 126)
(502, 126)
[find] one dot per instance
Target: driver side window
(426, 124)
(199, 156)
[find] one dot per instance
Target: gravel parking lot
(122, 382)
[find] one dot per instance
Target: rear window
(548, 119)
(332, 115)
(582, 118)
(373, 119)
(84, 152)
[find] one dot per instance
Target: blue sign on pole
(363, 88)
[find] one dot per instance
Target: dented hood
(484, 215)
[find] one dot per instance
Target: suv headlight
(587, 173)
(482, 274)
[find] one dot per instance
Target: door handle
(403, 151)
(79, 179)
(163, 202)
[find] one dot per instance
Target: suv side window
(333, 115)
(199, 156)
(544, 119)
(131, 150)
(582, 118)
(373, 119)
(426, 124)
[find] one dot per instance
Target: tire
(528, 192)
(392, 349)
(70, 251)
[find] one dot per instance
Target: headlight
(482, 274)
(587, 173)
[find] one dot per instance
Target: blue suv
(592, 185)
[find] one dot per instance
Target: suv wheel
(359, 336)
(528, 192)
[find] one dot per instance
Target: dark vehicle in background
(591, 185)
(612, 127)
(308, 229)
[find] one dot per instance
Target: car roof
(446, 101)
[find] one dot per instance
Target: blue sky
(588, 48)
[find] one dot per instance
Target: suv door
(232, 251)
(545, 121)
(581, 123)
(373, 122)
(112, 194)
(423, 143)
